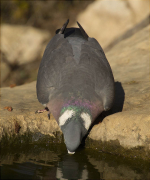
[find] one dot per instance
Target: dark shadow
(117, 107)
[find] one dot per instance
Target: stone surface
(24, 102)
(112, 18)
(131, 129)
(130, 64)
(22, 44)
(130, 58)
(126, 124)
(5, 70)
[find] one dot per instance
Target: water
(52, 162)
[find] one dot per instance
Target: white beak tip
(70, 152)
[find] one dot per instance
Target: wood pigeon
(75, 82)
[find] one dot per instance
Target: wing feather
(49, 75)
(94, 59)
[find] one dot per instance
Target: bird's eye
(65, 116)
(87, 120)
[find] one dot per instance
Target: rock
(24, 102)
(5, 71)
(124, 129)
(130, 58)
(22, 44)
(130, 63)
(106, 20)
(129, 33)
(129, 129)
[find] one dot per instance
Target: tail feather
(83, 32)
(62, 30)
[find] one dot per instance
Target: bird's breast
(58, 104)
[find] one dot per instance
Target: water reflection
(53, 162)
(70, 168)
(76, 166)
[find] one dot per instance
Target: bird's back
(74, 66)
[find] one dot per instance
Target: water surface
(52, 162)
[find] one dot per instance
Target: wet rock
(106, 20)
(117, 171)
(128, 130)
(41, 158)
(22, 44)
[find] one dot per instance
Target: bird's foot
(40, 111)
(43, 110)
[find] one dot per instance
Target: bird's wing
(92, 56)
(56, 54)
(59, 64)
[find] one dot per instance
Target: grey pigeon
(75, 82)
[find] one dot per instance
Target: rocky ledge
(125, 129)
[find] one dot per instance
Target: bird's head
(74, 123)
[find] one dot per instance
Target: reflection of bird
(74, 82)
(75, 167)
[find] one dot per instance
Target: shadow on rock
(117, 106)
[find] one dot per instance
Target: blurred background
(27, 27)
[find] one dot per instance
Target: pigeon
(74, 82)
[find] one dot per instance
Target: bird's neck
(76, 104)
(76, 109)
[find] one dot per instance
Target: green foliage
(22, 8)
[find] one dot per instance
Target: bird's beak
(70, 152)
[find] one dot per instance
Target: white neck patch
(87, 120)
(65, 116)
